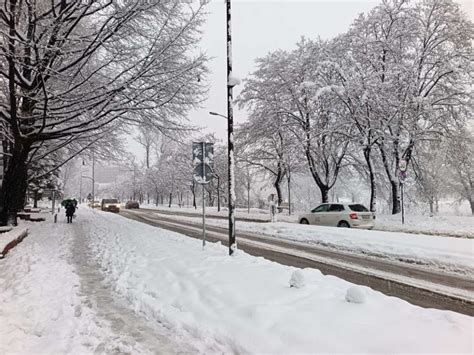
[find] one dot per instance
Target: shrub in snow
(355, 294)
(297, 279)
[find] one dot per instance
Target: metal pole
(403, 207)
(54, 200)
(218, 194)
(248, 191)
(203, 196)
(203, 218)
(289, 191)
(230, 134)
(93, 177)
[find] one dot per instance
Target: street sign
(202, 174)
(203, 162)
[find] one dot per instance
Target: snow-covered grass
(444, 224)
(456, 226)
(246, 304)
(447, 254)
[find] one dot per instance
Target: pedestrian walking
(70, 209)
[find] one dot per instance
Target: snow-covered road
(109, 284)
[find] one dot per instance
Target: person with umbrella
(70, 205)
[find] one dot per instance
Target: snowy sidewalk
(54, 300)
(107, 284)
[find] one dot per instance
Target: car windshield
(112, 200)
(358, 208)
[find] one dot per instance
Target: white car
(352, 215)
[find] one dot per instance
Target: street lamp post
(230, 166)
(230, 133)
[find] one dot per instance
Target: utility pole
(289, 191)
(93, 177)
(230, 134)
(248, 191)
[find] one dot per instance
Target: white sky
(259, 27)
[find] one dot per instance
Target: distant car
(132, 204)
(352, 215)
(110, 205)
(94, 204)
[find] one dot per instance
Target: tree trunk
(12, 192)
(170, 200)
(396, 203)
(396, 207)
(372, 202)
(471, 202)
(324, 193)
(35, 199)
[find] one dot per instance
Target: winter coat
(70, 209)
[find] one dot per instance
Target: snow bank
(454, 255)
(16, 235)
(244, 303)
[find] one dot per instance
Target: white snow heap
(355, 294)
(297, 279)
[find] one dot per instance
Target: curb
(22, 235)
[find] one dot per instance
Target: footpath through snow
(58, 284)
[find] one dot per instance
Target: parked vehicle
(352, 215)
(110, 205)
(132, 204)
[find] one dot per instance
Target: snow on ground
(444, 224)
(245, 303)
(93, 285)
(53, 300)
(456, 226)
(455, 255)
(39, 301)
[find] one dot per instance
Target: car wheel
(344, 224)
(304, 221)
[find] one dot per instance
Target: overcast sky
(259, 27)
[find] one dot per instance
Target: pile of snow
(245, 302)
(355, 294)
(297, 279)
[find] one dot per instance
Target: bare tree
(72, 69)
